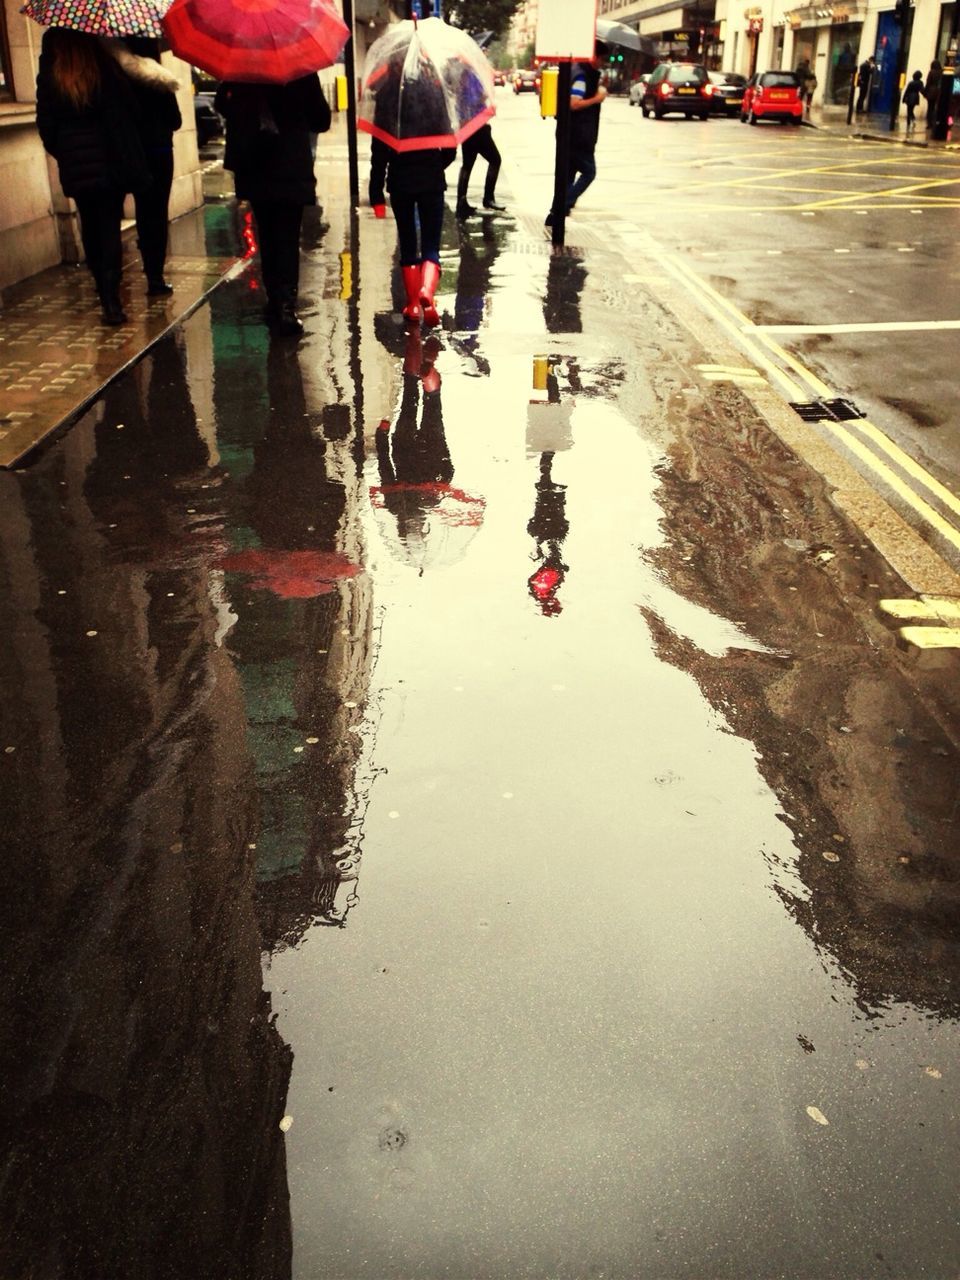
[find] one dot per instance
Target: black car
(209, 122)
(680, 87)
(727, 92)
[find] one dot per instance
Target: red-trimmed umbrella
(256, 41)
(425, 84)
(291, 575)
(100, 17)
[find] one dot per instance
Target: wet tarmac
(465, 814)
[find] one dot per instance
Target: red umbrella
(269, 41)
(291, 575)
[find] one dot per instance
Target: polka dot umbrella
(256, 41)
(100, 17)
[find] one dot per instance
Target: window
(946, 48)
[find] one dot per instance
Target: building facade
(835, 35)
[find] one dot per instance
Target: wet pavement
(467, 815)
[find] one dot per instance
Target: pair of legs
(153, 220)
(583, 170)
(419, 256)
(911, 115)
(482, 144)
(100, 216)
(278, 235)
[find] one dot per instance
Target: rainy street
(484, 804)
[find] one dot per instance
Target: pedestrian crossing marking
(931, 637)
(944, 609)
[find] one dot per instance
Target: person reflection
(566, 276)
(143, 1076)
(478, 253)
(416, 468)
(303, 642)
(548, 527)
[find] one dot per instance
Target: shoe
(465, 211)
(288, 324)
(493, 206)
(412, 280)
(428, 287)
(157, 287)
(108, 287)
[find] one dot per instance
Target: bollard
(341, 93)
(548, 91)
(541, 369)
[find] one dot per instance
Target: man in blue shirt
(586, 97)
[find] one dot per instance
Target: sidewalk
(55, 355)
(875, 128)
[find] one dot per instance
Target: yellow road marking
(932, 637)
(931, 608)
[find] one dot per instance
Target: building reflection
(845, 745)
(143, 1077)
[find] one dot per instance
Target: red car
(772, 95)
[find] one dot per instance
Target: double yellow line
(874, 449)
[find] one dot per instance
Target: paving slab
(56, 356)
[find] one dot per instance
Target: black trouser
(100, 215)
(278, 234)
(406, 208)
(480, 143)
(862, 94)
(152, 214)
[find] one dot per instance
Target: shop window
(6, 79)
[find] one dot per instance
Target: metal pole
(562, 166)
(349, 67)
(853, 90)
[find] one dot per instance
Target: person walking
(269, 148)
(416, 181)
(155, 89)
(88, 120)
(931, 91)
(864, 82)
(482, 144)
(911, 97)
(807, 82)
(586, 99)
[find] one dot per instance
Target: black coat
(97, 147)
(269, 138)
(159, 111)
(408, 173)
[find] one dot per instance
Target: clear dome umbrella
(425, 84)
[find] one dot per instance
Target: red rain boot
(431, 278)
(412, 284)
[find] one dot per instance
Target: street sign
(566, 30)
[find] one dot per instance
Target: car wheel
(644, 109)
(657, 113)
(752, 117)
(743, 117)
(704, 115)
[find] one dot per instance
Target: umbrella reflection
(425, 520)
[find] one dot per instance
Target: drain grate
(838, 410)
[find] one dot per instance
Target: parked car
(499, 78)
(209, 122)
(772, 95)
(526, 82)
(637, 88)
(683, 88)
(728, 90)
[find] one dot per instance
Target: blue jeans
(427, 210)
(583, 170)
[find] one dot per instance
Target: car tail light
(709, 90)
(665, 89)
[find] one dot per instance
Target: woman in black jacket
(88, 121)
(270, 150)
(155, 89)
(416, 181)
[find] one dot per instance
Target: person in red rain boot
(416, 181)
